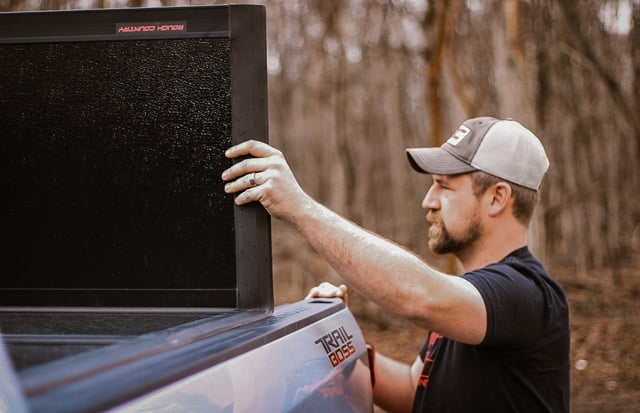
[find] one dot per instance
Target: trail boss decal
(338, 345)
(151, 28)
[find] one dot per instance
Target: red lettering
(135, 29)
(340, 355)
(171, 28)
(352, 349)
(333, 359)
(434, 337)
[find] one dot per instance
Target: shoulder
(520, 270)
(517, 273)
(519, 296)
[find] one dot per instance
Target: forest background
(354, 82)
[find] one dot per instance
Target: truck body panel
(294, 373)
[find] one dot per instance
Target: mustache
(433, 216)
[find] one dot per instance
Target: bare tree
(352, 83)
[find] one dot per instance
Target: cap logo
(458, 135)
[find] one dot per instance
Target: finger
(251, 147)
(245, 167)
(311, 294)
(249, 195)
(247, 187)
(326, 290)
(329, 289)
(319, 291)
(345, 294)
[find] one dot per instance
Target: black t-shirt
(522, 365)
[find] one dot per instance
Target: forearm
(384, 272)
(395, 388)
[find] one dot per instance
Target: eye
(444, 184)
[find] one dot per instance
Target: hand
(328, 290)
(265, 177)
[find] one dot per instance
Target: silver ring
(252, 179)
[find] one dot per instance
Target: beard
(442, 241)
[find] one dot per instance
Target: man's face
(452, 210)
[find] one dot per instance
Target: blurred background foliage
(352, 83)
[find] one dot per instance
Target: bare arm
(395, 384)
(382, 271)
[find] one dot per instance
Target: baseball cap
(503, 148)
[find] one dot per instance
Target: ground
(605, 353)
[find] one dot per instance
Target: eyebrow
(441, 179)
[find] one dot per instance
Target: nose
(430, 200)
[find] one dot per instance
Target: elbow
(458, 323)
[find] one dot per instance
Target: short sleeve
(514, 303)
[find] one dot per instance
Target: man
(499, 339)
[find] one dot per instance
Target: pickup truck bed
(306, 356)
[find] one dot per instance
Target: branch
(572, 18)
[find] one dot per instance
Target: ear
(500, 198)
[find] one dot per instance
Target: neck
(489, 250)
